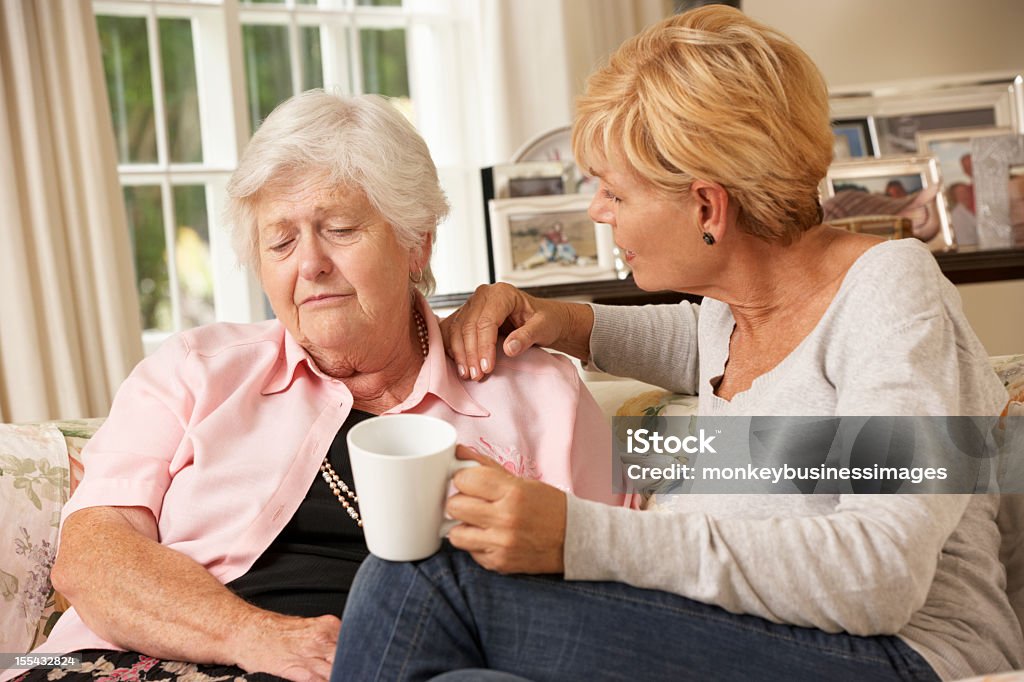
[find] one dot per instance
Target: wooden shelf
(971, 264)
(968, 265)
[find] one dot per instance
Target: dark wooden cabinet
(971, 264)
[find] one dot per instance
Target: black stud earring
(709, 239)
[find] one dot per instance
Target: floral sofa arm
(40, 464)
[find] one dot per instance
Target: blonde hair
(711, 94)
(360, 141)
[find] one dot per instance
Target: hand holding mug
(508, 524)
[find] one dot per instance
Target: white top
(894, 341)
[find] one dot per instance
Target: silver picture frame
(952, 149)
(868, 187)
(533, 178)
(547, 240)
(902, 110)
(999, 190)
(949, 145)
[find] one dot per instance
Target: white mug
(402, 465)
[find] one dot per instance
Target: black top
(308, 569)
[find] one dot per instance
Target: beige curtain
(69, 320)
(536, 55)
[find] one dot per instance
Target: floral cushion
(34, 485)
(40, 465)
(1010, 369)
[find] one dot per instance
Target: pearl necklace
(338, 486)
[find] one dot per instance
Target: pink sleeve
(128, 462)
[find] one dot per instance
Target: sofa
(40, 466)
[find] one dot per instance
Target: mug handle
(447, 525)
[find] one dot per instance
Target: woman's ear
(712, 203)
(419, 256)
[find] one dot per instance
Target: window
(188, 80)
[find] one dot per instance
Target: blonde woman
(709, 133)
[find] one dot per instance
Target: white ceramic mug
(402, 465)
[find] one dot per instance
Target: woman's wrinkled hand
(471, 333)
(508, 524)
(299, 649)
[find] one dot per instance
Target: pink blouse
(221, 432)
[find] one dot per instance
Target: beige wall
(996, 311)
(867, 42)
(857, 42)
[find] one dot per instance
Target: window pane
(267, 69)
(385, 71)
(146, 227)
(312, 61)
(129, 86)
(192, 256)
(181, 98)
(380, 3)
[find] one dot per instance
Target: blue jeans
(413, 621)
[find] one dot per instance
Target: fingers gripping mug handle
(447, 525)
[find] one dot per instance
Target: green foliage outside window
(312, 58)
(192, 256)
(129, 86)
(385, 68)
(146, 227)
(181, 97)
(268, 74)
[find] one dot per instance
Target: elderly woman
(709, 133)
(216, 522)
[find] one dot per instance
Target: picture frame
(900, 111)
(999, 190)
(533, 178)
(952, 149)
(949, 145)
(855, 138)
(908, 186)
(549, 240)
(556, 145)
(900, 134)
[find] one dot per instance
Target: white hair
(359, 141)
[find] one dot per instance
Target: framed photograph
(952, 149)
(549, 240)
(556, 145)
(901, 134)
(999, 190)
(854, 138)
(533, 178)
(907, 187)
(901, 112)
